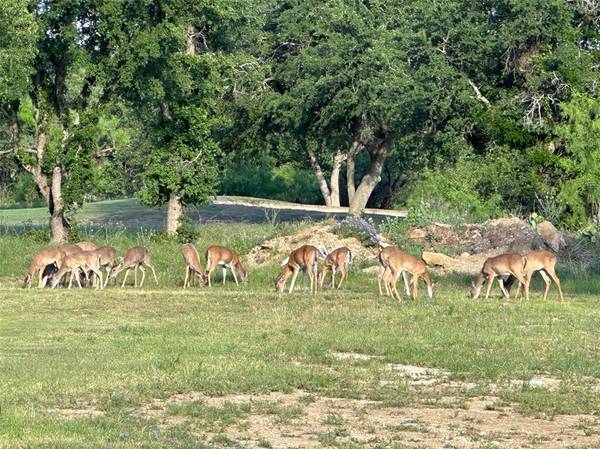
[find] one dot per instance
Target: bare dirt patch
(448, 422)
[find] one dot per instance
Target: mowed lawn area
(247, 367)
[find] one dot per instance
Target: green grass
(117, 350)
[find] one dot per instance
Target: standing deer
(76, 262)
(304, 258)
(337, 260)
(543, 262)
(136, 257)
(52, 256)
(383, 257)
(501, 266)
(192, 265)
(227, 258)
(108, 258)
(398, 263)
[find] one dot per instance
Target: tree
(52, 112)
(171, 61)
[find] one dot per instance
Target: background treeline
(485, 108)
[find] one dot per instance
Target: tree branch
(478, 94)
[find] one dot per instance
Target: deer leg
(333, 278)
(224, 274)
(125, 278)
(501, 284)
(208, 274)
(525, 282)
(315, 271)
(235, 277)
(98, 273)
(555, 278)
(153, 273)
(547, 281)
(108, 268)
(490, 281)
(406, 283)
(294, 276)
(187, 273)
(143, 275)
(415, 285)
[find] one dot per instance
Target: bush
(360, 228)
(186, 231)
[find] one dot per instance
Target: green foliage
(186, 231)
(17, 49)
(580, 134)
(260, 179)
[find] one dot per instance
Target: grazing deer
(227, 258)
(337, 260)
(304, 258)
(86, 246)
(398, 263)
(192, 265)
(383, 257)
(52, 256)
(501, 266)
(108, 258)
(136, 257)
(76, 262)
(544, 263)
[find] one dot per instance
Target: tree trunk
(57, 209)
(334, 182)
(314, 163)
(369, 180)
(350, 169)
(174, 212)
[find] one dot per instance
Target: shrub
(360, 228)
(186, 231)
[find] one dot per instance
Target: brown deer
(398, 263)
(52, 256)
(86, 245)
(227, 258)
(76, 262)
(304, 258)
(108, 259)
(337, 260)
(192, 265)
(543, 262)
(383, 257)
(501, 266)
(136, 257)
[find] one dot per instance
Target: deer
(76, 262)
(136, 257)
(86, 245)
(304, 258)
(383, 257)
(108, 258)
(337, 260)
(52, 256)
(398, 263)
(543, 262)
(501, 266)
(227, 258)
(192, 265)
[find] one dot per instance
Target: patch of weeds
(283, 413)
(264, 443)
(331, 438)
(214, 419)
(546, 404)
(332, 419)
(224, 440)
(308, 399)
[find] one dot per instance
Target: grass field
(247, 367)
